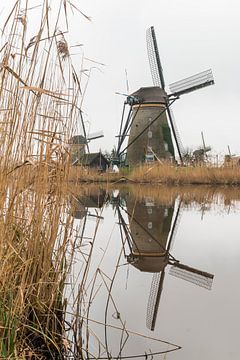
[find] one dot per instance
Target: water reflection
(150, 234)
(129, 259)
(95, 198)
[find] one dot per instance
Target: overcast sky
(192, 36)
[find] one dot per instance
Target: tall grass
(161, 174)
(168, 174)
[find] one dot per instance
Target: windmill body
(156, 141)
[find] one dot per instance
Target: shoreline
(162, 175)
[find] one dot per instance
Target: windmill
(79, 143)
(150, 251)
(147, 122)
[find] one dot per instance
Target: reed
(160, 174)
(203, 175)
(40, 99)
(81, 174)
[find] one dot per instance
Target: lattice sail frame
(152, 300)
(192, 83)
(197, 279)
(154, 59)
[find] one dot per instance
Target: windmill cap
(78, 140)
(152, 94)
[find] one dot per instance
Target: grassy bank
(162, 174)
(203, 175)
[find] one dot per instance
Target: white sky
(192, 36)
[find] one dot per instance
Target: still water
(155, 273)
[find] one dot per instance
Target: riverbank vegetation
(166, 174)
(181, 175)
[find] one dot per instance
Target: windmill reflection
(147, 240)
(83, 205)
(148, 233)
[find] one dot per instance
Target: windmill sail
(95, 135)
(154, 299)
(154, 59)
(192, 83)
(158, 80)
(184, 272)
(195, 276)
(180, 147)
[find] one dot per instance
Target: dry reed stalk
(168, 174)
(78, 174)
(161, 174)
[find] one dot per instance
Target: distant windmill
(79, 143)
(149, 116)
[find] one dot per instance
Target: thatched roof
(88, 159)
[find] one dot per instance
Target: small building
(95, 160)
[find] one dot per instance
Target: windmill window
(149, 157)
(149, 225)
(149, 211)
(165, 212)
(150, 134)
(149, 201)
(165, 146)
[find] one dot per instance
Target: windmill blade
(127, 82)
(84, 129)
(192, 83)
(176, 135)
(121, 125)
(154, 59)
(158, 80)
(95, 135)
(124, 128)
(95, 216)
(195, 276)
(154, 299)
(175, 225)
(179, 141)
